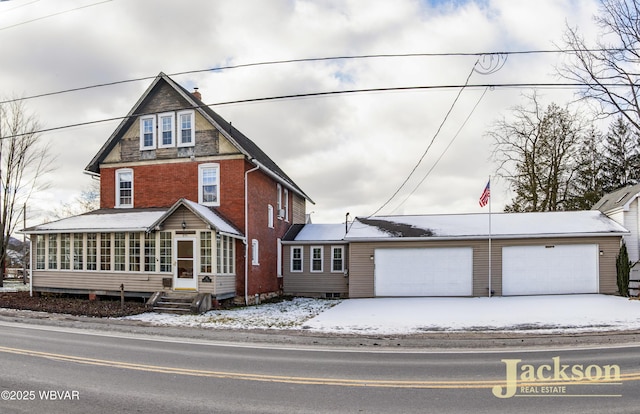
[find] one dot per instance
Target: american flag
(486, 194)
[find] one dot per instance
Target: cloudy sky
(349, 152)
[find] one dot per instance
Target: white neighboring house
(622, 206)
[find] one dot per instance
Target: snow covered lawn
(573, 313)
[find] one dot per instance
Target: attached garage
(550, 269)
(423, 271)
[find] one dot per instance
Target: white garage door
(541, 270)
(424, 272)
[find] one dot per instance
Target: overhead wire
(53, 14)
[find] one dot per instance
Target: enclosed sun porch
(186, 248)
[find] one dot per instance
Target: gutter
(281, 180)
(246, 229)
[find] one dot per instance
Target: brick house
(187, 202)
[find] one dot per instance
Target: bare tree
(24, 159)
(88, 200)
(610, 69)
(536, 153)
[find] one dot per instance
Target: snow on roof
(213, 218)
(102, 221)
(503, 225)
(325, 232)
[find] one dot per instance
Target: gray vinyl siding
(362, 267)
(314, 284)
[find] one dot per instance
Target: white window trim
(173, 130)
(201, 168)
(301, 259)
(118, 172)
(286, 205)
(311, 258)
(255, 252)
(179, 129)
(270, 216)
(153, 128)
(333, 248)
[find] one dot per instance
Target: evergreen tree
(623, 268)
(621, 157)
(588, 185)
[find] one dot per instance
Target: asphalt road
(51, 369)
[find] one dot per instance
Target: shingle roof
(242, 142)
(617, 199)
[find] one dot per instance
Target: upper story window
(186, 131)
(166, 124)
(209, 184)
(147, 132)
(124, 187)
(286, 204)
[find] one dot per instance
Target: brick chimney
(196, 94)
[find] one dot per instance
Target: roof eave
(485, 237)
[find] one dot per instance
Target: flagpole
(490, 235)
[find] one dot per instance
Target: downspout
(246, 231)
(30, 267)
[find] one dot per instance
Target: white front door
(185, 275)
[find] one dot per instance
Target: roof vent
(197, 94)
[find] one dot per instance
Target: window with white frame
(337, 259)
(53, 251)
(150, 253)
(92, 251)
(316, 258)
(166, 125)
(65, 251)
(105, 251)
(296, 259)
(255, 254)
(78, 247)
(119, 252)
(165, 251)
(40, 252)
(124, 187)
(206, 252)
(186, 128)
(134, 252)
(147, 132)
(225, 258)
(279, 200)
(270, 216)
(209, 184)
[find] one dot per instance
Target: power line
(54, 14)
(332, 93)
(302, 60)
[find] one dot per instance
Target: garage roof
(476, 226)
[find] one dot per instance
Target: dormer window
(147, 132)
(186, 132)
(166, 125)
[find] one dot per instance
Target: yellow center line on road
(435, 384)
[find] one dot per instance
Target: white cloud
(348, 152)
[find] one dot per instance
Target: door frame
(185, 283)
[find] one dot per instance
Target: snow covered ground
(568, 313)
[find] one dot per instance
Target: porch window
(65, 251)
(165, 251)
(134, 252)
(150, 253)
(337, 259)
(205, 252)
(120, 249)
(296, 259)
(316, 258)
(78, 248)
(53, 251)
(225, 259)
(105, 251)
(40, 252)
(92, 251)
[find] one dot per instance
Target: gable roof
(246, 146)
(620, 198)
(134, 220)
(476, 226)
